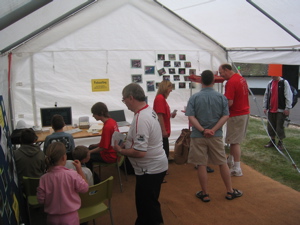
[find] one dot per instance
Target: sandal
(202, 196)
(232, 195)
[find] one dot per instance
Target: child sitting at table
(59, 187)
(82, 154)
(59, 135)
(30, 160)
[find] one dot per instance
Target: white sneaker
(230, 161)
(237, 172)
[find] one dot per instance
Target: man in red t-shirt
(236, 91)
(103, 151)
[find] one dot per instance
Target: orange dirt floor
(264, 202)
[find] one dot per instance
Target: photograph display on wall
(172, 57)
(171, 71)
(182, 57)
(166, 77)
(181, 85)
(136, 78)
(167, 63)
(157, 85)
(149, 69)
(192, 71)
(150, 85)
(177, 64)
(187, 78)
(187, 64)
(136, 63)
(160, 57)
(181, 70)
(176, 78)
(161, 71)
(192, 85)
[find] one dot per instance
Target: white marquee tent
(53, 54)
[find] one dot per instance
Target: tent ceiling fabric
(236, 24)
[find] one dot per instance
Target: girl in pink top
(59, 187)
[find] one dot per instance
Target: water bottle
(286, 122)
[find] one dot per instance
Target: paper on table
(95, 128)
(124, 129)
(119, 137)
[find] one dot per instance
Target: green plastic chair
(120, 161)
(92, 202)
(30, 185)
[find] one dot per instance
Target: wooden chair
(117, 164)
(92, 202)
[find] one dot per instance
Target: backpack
(295, 95)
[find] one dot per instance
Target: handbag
(182, 145)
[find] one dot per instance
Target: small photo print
(157, 85)
(171, 71)
(167, 63)
(181, 57)
(176, 78)
(177, 64)
(150, 85)
(192, 72)
(160, 56)
(187, 64)
(172, 57)
(149, 69)
(136, 63)
(181, 70)
(161, 71)
(173, 86)
(187, 78)
(137, 78)
(166, 77)
(181, 85)
(192, 85)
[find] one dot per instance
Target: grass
(269, 161)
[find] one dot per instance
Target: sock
(237, 165)
(230, 158)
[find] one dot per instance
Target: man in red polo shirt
(236, 91)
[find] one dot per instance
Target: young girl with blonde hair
(59, 187)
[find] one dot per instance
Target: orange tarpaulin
(275, 70)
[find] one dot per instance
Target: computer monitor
(47, 113)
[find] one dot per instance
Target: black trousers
(147, 192)
(166, 146)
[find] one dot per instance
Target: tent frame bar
(273, 19)
(46, 27)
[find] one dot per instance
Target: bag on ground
(182, 146)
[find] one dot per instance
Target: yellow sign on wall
(100, 85)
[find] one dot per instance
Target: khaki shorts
(236, 129)
(205, 151)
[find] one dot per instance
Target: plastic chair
(92, 202)
(30, 185)
(118, 163)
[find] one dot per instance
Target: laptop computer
(119, 117)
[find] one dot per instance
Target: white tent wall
(266, 57)
(58, 65)
(4, 83)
